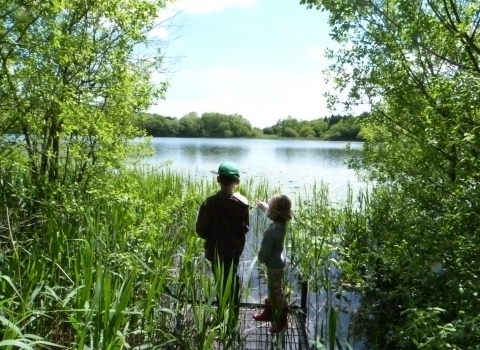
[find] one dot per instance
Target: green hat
(228, 169)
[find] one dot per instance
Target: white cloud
(349, 46)
(197, 6)
(261, 98)
(159, 32)
(224, 75)
(317, 53)
(168, 25)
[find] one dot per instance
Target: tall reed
(315, 246)
(124, 268)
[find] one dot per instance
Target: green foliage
(307, 132)
(335, 128)
(268, 130)
(416, 64)
(96, 253)
(109, 268)
(287, 127)
(190, 125)
(314, 250)
(343, 130)
(71, 85)
(289, 132)
(228, 126)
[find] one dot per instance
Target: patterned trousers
(275, 291)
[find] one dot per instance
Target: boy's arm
(246, 222)
(202, 226)
(246, 215)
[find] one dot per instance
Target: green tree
(319, 126)
(343, 130)
(257, 132)
(417, 63)
(159, 126)
(154, 126)
(289, 132)
(268, 130)
(288, 127)
(211, 125)
(190, 125)
(307, 131)
(172, 126)
(71, 83)
(239, 126)
(333, 119)
(339, 128)
(224, 125)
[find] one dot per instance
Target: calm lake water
(293, 165)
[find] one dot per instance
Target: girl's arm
(265, 248)
(262, 206)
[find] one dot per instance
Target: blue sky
(262, 59)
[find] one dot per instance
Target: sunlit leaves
(71, 84)
(416, 63)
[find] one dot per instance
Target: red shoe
(278, 326)
(266, 314)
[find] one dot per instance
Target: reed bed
(125, 269)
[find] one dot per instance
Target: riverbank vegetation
(417, 64)
(332, 128)
(96, 252)
(99, 253)
(121, 266)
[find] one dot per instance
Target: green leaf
(16, 343)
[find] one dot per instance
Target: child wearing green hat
(223, 221)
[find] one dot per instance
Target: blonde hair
(280, 208)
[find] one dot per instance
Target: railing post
(302, 317)
(304, 297)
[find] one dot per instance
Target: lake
(293, 165)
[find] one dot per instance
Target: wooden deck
(256, 335)
(253, 335)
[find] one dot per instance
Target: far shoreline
(259, 138)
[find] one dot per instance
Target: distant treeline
(333, 128)
(218, 125)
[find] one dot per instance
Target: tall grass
(126, 270)
(317, 254)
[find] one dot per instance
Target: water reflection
(197, 153)
(289, 164)
(191, 152)
(333, 156)
(213, 153)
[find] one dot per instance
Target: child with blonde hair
(272, 254)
